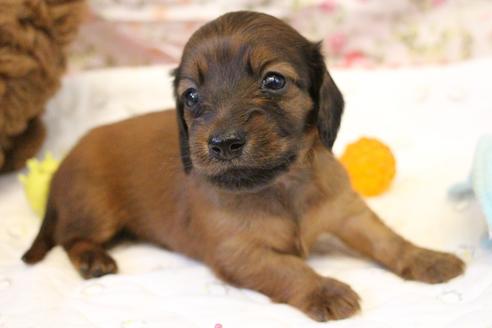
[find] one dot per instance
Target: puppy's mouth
(248, 178)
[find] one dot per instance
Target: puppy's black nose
(226, 146)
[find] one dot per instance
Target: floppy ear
(184, 144)
(328, 100)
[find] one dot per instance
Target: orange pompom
(370, 165)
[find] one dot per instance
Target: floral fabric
(355, 33)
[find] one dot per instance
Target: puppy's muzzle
(226, 146)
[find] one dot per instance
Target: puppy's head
(249, 90)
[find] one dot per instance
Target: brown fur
(33, 34)
(252, 219)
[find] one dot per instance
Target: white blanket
(430, 117)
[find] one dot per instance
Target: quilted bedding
(431, 117)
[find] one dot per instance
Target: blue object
(480, 182)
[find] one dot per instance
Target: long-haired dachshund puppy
(241, 176)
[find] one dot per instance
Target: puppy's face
(249, 89)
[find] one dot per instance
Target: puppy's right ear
(184, 143)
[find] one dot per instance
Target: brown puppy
(257, 114)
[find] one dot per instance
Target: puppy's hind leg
(89, 258)
(85, 231)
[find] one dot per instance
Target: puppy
(241, 176)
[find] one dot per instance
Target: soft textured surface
(431, 118)
(33, 35)
(357, 33)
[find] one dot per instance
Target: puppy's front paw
(332, 300)
(430, 266)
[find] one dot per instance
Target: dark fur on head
(224, 58)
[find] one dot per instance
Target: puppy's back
(117, 177)
(133, 148)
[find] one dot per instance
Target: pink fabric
(355, 33)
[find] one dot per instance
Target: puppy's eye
(191, 97)
(273, 81)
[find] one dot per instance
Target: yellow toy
(36, 182)
(370, 165)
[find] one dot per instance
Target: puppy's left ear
(328, 100)
(184, 143)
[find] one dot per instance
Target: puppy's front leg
(361, 229)
(284, 278)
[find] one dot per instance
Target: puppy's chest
(274, 232)
(273, 221)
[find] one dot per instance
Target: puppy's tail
(44, 240)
